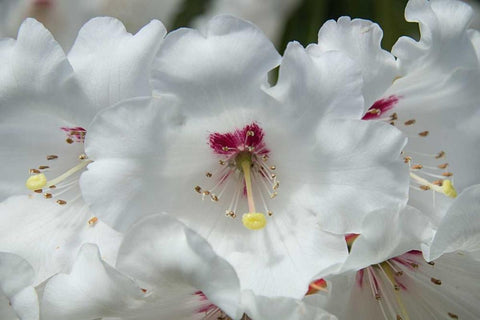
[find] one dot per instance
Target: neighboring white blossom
(431, 93)
(401, 284)
(47, 101)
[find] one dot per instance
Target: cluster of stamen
(54, 188)
(433, 176)
(243, 168)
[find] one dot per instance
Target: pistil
(252, 220)
(38, 181)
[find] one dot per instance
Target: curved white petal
(16, 279)
(223, 68)
(163, 253)
(48, 235)
(360, 162)
(37, 77)
(111, 63)
(120, 199)
(92, 290)
(388, 233)
(360, 40)
(460, 227)
(281, 308)
(313, 85)
(444, 41)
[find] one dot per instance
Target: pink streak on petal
(359, 277)
(203, 297)
(75, 133)
(380, 106)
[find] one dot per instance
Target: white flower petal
(113, 64)
(444, 40)
(315, 83)
(38, 77)
(48, 235)
(360, 40)
(16, 279)
(388, 233)
(181, 258)
(120, 199)
(92, 290)
(370, 175)
(460, 227)
(267, 308)
(215, 71)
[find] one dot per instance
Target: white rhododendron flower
(18, 298)
(401, 284)
(164, 271)
(47, 101)
(431, 95)
(247, 167)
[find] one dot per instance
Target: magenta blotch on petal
(380, 107)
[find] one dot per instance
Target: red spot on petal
(350, 238)
(316, 286)
(380, 107)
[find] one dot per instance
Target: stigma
(242, 174)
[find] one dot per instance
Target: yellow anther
(36, 182)
(254, 221)
(449, 189)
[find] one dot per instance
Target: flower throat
(243, 172)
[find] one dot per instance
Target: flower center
(390, 281)
(243, 172)
(426, 173)
(38, 181)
